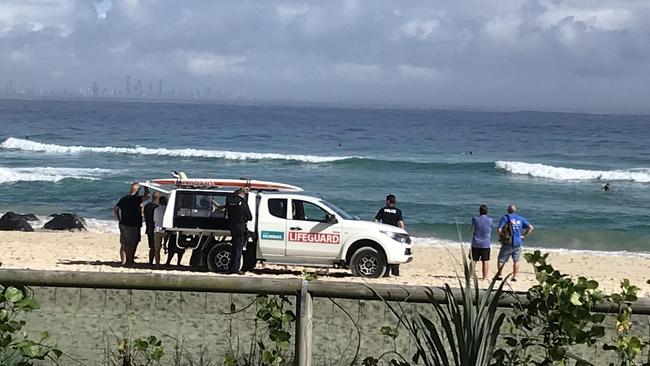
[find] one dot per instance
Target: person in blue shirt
(481, 233)
(521, 228)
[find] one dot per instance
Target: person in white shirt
(158, 215)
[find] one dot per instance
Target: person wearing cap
(391, 215)
(239, 215)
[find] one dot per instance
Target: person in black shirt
(238, 216)
(128, 211)
(391, 215)
(148, 220)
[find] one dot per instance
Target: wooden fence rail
(304, 291)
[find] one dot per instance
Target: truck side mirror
(330, 219)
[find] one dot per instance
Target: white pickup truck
(287, 228)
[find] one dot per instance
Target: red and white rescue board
(235, 183)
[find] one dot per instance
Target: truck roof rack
(180, 180)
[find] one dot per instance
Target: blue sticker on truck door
(272, 235)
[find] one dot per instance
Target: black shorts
(129, 235)
(481, 254)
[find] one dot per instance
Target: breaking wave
(27, 145)
(641, 175)
(49, 174)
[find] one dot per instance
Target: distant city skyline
(139, 90)
(565, 55)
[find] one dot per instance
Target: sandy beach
(432, 266)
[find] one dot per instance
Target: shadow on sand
(116, 264)
(256, 271)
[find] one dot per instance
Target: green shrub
(627, 348)
(140, 352)
(558, 315)
(279, 321)
(16, 347)
(463, 333)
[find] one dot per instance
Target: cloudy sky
(588, 55)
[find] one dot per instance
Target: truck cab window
(200, 209)
(200, 205)
(278, 207)
(306, 211)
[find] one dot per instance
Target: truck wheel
(368, 262)
(219, 258)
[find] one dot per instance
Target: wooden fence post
(304, 311)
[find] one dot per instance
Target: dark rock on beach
(12, 221)
(65, 221)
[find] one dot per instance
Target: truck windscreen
(344, 215)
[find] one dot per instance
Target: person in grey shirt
(481, 235)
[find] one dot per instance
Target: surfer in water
(606, 187)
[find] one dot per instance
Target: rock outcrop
(65, 221)
(12, 221)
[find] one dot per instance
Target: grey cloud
(571, 54)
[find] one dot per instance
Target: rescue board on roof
(234, 183)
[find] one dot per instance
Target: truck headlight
(399, 237)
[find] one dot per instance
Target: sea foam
(640, 175)
(27, 145)
(455, 245)
(49, 174)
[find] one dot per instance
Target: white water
(640, 175)
(443, 243)
(27, 145)
(102, 226)
(49, 174)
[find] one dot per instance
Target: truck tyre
(368, 262)
(219, 258)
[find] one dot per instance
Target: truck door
(308, 232)
(272, 226)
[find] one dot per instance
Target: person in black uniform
(238, 215)
(391, 215)
(147, 212)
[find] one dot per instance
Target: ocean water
(79, 156)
